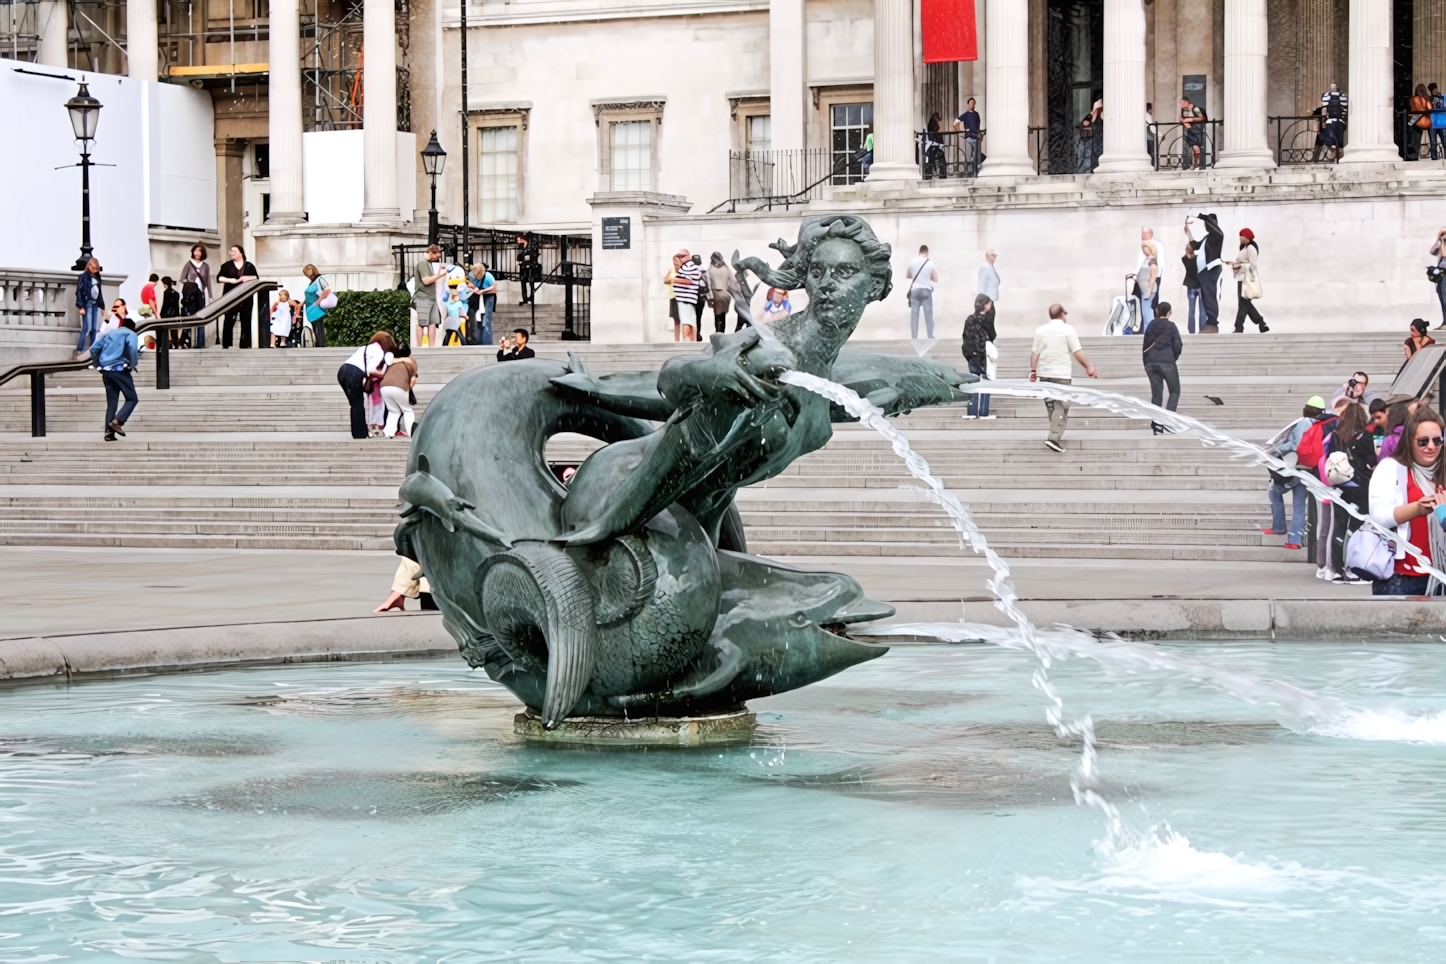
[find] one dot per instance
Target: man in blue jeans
(116, 355)
(89, 300)
(1284, 445)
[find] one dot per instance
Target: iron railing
(1301, 140)
(1182, 147)
(772, 179)
(1410, 138)
(553, 259)
(946, 154)
(1039, 149)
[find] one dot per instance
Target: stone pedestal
(649, 731)
(629, 299)
(352, 256)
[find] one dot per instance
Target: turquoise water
(915, 807)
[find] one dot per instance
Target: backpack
(191, 301)
(975, 339)
(1312, 444)
(1334, 110)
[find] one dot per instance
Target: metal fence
(1301, 140)
(547, 259)
(948, 154)
(1184, 147)
(771, 179)
(1421, 143)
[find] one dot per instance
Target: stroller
(1125, 317)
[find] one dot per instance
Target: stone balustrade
(38, 318)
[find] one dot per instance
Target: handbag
(1370, 554)
(1251, 290)
(1435, 273)
(329, 301)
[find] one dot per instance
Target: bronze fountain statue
(630, 592)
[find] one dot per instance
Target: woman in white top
(356, 373)
(1406, 488)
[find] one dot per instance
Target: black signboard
(617, 234)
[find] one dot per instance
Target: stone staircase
(249, 450)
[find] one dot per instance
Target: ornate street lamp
(433, 158)
(84, 118)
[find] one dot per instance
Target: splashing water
(1306, 710)
(1006, 598)
(1208, 435)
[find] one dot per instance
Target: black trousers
(1246, 310)
(1162, 374)
(353, 382)
(720, 322)
(243, 315)
(318, 328)
(1210, 296)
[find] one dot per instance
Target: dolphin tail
(536, 589)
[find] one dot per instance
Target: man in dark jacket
(517, 349)
(1208, 266)
(978, 334)
(1162, 348)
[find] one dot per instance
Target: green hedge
(360, 314)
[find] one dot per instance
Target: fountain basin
(914, 807)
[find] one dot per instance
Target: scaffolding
(332, 60)
(223, 45)
(96, 39)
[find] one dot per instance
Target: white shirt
(1055, 342)
(925, 281)
(370, 358)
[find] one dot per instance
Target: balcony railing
(1421, 143)
(1302, 140)
(948, 154)
(1184, 147)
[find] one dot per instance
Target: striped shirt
(687, 283)
(1325, 103)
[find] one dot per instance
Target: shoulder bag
(1370, 553)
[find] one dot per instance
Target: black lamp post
(84, 117)
(433, 158)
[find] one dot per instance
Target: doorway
(1076, 55)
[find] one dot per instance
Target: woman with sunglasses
(1405, 491)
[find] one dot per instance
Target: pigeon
(1217, 401)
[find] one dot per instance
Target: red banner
(949, 30)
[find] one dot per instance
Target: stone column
(288, 203)
(427, 84)
(1246, 38)
(142, 58)
(53, 23)
(786, 81)
(893, 92)
(1317, 53)
(1124, 148)
(1006, 49)
(1368, 122)
(379, 118)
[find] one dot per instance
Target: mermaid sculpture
(630, 591)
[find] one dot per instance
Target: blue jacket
(84, 296)
(118, 351)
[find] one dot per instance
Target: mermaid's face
(839, 283)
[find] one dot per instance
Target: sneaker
(1050, 443)
(976, 416)
(1323, 573)
(1267, 531)
(1291, 545)
(1264, 327)
(986, 416)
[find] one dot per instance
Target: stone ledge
(1293, 620)
(85, 656)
